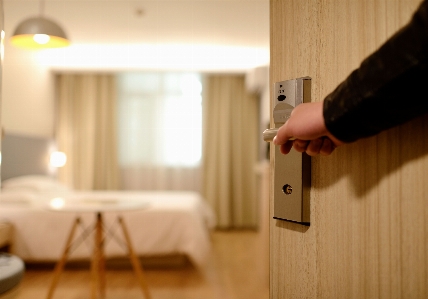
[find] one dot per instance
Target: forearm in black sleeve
(389, 88)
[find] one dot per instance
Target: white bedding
(172, 222)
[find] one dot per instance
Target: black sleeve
(389, 88)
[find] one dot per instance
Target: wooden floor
(236, 270)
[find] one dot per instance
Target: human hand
(306, 124)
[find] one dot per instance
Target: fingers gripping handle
(281, 114)
(269, 134)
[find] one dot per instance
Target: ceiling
(160, 34)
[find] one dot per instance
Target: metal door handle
(269, 134)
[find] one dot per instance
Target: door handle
(269, 134)
(281, 113)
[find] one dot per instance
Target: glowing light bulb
(41, 39)
(58, 159)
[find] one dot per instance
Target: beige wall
(27, 94)
(369, 209)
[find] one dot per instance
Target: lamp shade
(39, 33)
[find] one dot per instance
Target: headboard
(25, 155)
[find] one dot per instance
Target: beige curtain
(86, 130)
(230, 150)
(155, 177)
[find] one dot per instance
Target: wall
(27, 90)
(369, 234)
(27, 102)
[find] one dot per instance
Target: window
(160, 119)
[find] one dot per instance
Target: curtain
(160, 130)
(230, 150)
(160, 178)
(86, 130)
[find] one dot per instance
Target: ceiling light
(38, 33)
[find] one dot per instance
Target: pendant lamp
(39, 33)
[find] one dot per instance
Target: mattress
(169, 223)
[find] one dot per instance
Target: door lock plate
(292, 173)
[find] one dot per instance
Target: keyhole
(287, 189)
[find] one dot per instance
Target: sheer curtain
(230, 150)
(160, 130)
(86, 130)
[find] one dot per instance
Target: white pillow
(35, 183)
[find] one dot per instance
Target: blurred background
(165, 96)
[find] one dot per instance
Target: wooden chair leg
(97, 263)
(61, 263)
(135, 261)
(102, 260)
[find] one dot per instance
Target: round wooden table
(97, 206)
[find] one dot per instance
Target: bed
(170, 222)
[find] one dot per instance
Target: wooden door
(369, 201)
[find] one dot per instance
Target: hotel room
(156, 109)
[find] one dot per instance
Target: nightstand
(5, 236)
